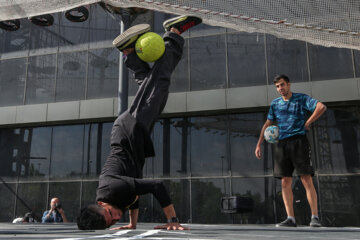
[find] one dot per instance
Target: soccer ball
(150, 47)
(271, 134)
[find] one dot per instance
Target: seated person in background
(55, 214)
(28, 218)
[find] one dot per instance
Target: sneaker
(287, 223)
(181, 23)
(315, 222)
(128, 38)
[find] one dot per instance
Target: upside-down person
(120, 182)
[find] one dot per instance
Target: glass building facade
(201, 155)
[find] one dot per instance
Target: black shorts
(291, 154)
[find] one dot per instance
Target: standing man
(56, 214)
(292, 152)
(120, 183)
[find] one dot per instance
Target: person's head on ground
(282, 84)
(98, 216)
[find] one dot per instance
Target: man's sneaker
(128, 38)
(181, 23)
(315, 222)
(287, 223)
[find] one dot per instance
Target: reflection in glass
(207, 62)
(205, 200)
(330, 63)
(286, 57)
(45, 39)
(338, 132)
(16, 43)
(12, 81)
(180, 77)
(7, 202)
(71, 74)
(67, 152)
(37, 145)
(11, 149)
(69, 196)
(339, 200)
(40, 86)
(103, 28)
(92, 162)
(357, 62)
(103, 73)
(34, 196)
(74, 35)
(88, 192)
(208, 146)
(246, 59)
(262, 192)
(244, 134)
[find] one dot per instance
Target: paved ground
(197, 232)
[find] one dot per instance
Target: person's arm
(46, 216)
(62, 213)
(319, 110)
(133, 214)
(261, 139)
(169, 212)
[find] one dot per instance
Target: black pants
(153, 92)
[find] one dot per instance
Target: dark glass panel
(71, 74)
(244, 134)
(287, 57)
(92, 161)
(205, 200)
(262, 192)
(67, 152)
(208, 146)
(40, 86)
(337, 136)
(35, 196)
(339, 200)
(246, 59)
(88, 192)
(69, 196)
(36, 158)
(7, 202)
(330, 63)
(12, 81)
(103, 73)
(207, 62)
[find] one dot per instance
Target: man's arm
(46, 217)
(62, 213)
(169, 212)
(133, 214)
(261, 139)
(319, 110)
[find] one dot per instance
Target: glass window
(244, 134)
(357, 62)
(15, 43)
(37, 145)
(74, 35)
(246, 59)
(330, 63)
(45, 40)
(208, 146)
(40, 86)
(7, 202)
(71, 74)
(337, 133)
(286, 57)
(67, 152)
(105, 140)
(180, 76)
(179, 191)
(262, 192)
(12, 81)
(35, 197)
(339, 200)
(11, 148)
(103, 73)
(207, 62)
(69, 196)
(103, 27)
(92, 160)
(205, 200)
(88, 192)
